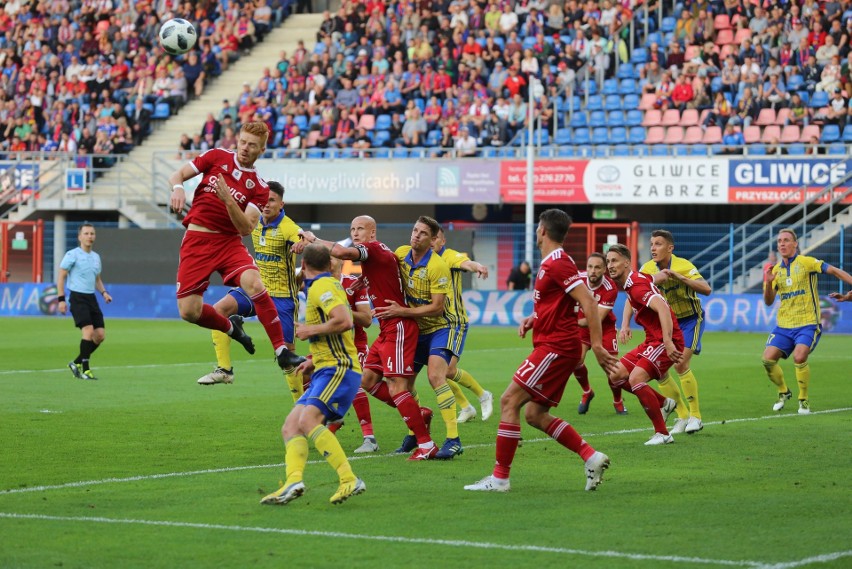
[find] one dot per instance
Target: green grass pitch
(144, 468)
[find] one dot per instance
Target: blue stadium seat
(581, 136)
(433, 138)
(654, 37)
(597, 119)
(640, 150)
(796, 149)
(399, 153)
(610, 87)
(579, 120)
(593, 87)
(680, 150)
(380, 153)
(563, 136)
(276, 141)
(161, 111)
(627, 87)
(315, 153)
(634, 118)
(600, 135)
(716, 84)
(698, 150)
(383, 122)
(659, 150)
(847, 133)
(542, 134)
(621, 150)
(508, 153)
(612, 103)
(819, 100)
(566, 151)
(639, 55)
(614, 118)
(631, 102)
(595, 103)
(836, 149)
(280, 123)
(301, 121)
(626, 71)
(794, 83)
(637, 135)
(668, 25)
(548, 152)
(489, 152)
(618, 135)
(830, 133)
(381, 137)
(331, 153)
(756, 149)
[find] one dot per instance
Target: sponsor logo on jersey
(249, 184)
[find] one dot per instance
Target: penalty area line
(139, 478)
(391, 539)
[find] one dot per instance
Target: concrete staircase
(137, 186)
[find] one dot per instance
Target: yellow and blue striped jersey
(420, 281)
(277, 264)
(454, 260)
(337, 350)
(683, 300)
(796, 285)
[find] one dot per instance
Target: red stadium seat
(782, 116)
(655, 135)
(771, 133)
(671, 117)
(724, 37)
(790, 134)
(727, 49)
(751, 134)
(722, 22)
(689, 117)
(808, 132)
(647, 101)
(367, 122)
(742, 35)
(766, 117)
(652, 117)
(713, 135)
(693, 135)
(674, 135)
(691, 52)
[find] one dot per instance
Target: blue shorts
(444, 343)
(286, 308)
(332, 390)
(786, 339)
(692, 328)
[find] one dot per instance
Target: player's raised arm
(176, 180)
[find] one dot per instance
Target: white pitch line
(81, 483)
(393, 539)
(824, 558)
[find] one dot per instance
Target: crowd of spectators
(86, 76)
(455, 74)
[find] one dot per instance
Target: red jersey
(356, 297)
(555, 322)
(380, 268)
(246, 186)
(605, 295)
(640, 289)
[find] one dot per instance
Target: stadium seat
(808, 132)
(595, 103)
(637, 135)
(713, 135)
(782, 116)
(653, 117)
(433, 138)
(668, 24)
(756, 150)
(794, 83)
(311, 139)
(399, 153)
(790, 134)
(621, 150)
(639, 55)
(315, 153)
(680, 150)
(722, 22)
(612, 103)
(614, 118)
(836, 149)
(626, 71)
(610, 87)
(830, 133)
(600, 135)
(693, 135)
(766, 117)
(689, 117)
(579, 120)
(698, 150)
(582, 136)
(367, 122)
(818, 100)
(674, 135)
(751, 134)
(647, 102)
(618, 135)
(847, 133)
(641, 150)
(716, 84)
(566, 151)
(380, 152)
(161, 111)
(671, 117)
(383, 122)
(771, 134)
(301, 121)
(797, 149)
(563, 136)
(659, 150)
(543, 135)
(630, 102)
(315, 120)
(545, 152)
(627, 87)
(597, 119)
(742, 35)
(691, 52)
(489, 152)
(655, 135)
(653, 37)
(381, 137)
(724, 37)
(634, 118)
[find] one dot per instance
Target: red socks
(508, 437)
(268, 316)
(650, 402)
(362, 411)
(410, 412)
(564, 434)
(211, 319)
(581, 372)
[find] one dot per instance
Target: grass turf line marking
(392, 539)
(824, 558)
(139, 478)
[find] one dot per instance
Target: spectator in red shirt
(514, 82)
(682, 93)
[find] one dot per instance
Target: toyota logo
(609, 174)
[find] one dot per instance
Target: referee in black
(82, 267)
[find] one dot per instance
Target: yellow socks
(464, 379)
(222, 345)
(447, 404)
(690, 390)
(776, 374)
(294, 381)
(329, 447)
(671, 390)
(295, 457)
(461, 400)
(803, 378)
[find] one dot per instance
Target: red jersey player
(605, 293)
(392, 354)
(540, 380)
(663, 345)
(227, 205)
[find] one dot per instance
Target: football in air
(177, 36)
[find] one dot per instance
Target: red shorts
(202, 254)
(544, 375)
(610, 339)
(651, 357)
(392, 353)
